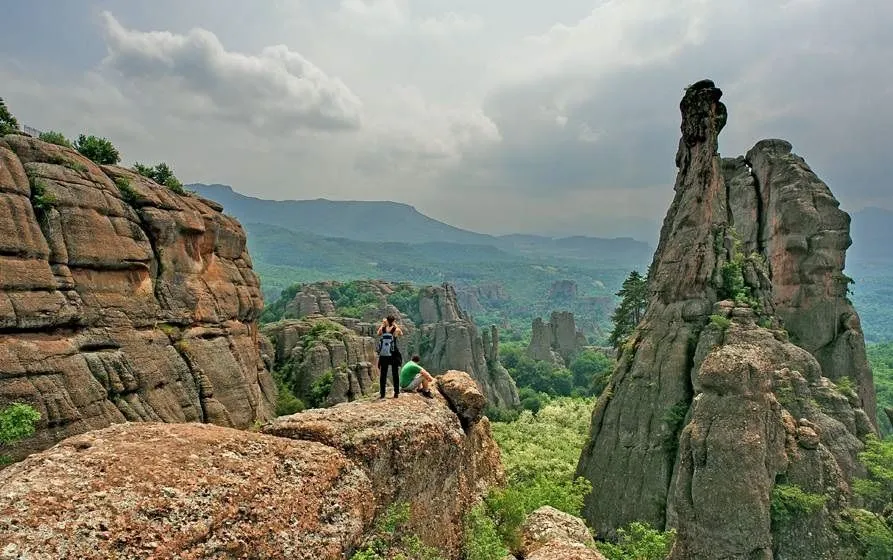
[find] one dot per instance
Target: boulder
(148, 490)
(414, 449)
(548, 525)
(463, 395)
(121, 300)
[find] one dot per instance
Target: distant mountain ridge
(385, 221)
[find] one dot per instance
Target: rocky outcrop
(147, 490)
(711, 407)
(120, 300)
(480, 298)
(563, 290)
(308, 350)
(548, 533)
(557, 341)
(415, 450)
(434, 325)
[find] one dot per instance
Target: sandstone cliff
(434, 326)
(308, 488)
(120, 300)
(711, 407)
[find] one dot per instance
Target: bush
(639, 541)
(319, 391)
(17, 422)
(873, 536)
(8, 123)
(41, 200)
(54, 137)
(128, 193)
(722, 322)
(286, 401)
(790, 502)
(481, 540)
(98, 150)
(161, 174)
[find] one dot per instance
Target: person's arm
(399, 331)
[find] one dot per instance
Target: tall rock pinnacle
(707, 390)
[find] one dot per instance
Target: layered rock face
(556, 341)
(146, 490)
(711, 406)
(434, 326)
(120, 300)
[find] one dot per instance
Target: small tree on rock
(629, 313)
(161, 174)
(8, 123)
(16, 423)
(99, 150)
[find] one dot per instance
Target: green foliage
(675, 420)
(354, 299)
(161, 174)
(406, 299)
(276, 311)
(531, 399)
(877, 489)
(286, 401)
(323, 330)
(41, 200)
(734, 286)
(639, 541)
(592, 370)
(481, 540)
(98, 150)
(540, 454)
(871, 533)
(16, 423)
(790, 502)
(627, 315)
(722, 322)
(8, 122)
(549, 379)
(54, 137)
(880, 356)
(392, 539)
(128, 193)
(319, 390)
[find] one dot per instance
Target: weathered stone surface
(697, 425)
(183, 491)
(414, 449)
(548, 525)
(118, 310)
(463, 394)
(560, 550)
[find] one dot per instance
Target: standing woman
(389, 354)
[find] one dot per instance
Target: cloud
(277, 90)
(377, 17)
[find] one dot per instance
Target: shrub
(41, 200)
(639, 541)
(790, 502)
(98, 150)
(16, 423)
(675, 419)
(161, 174)
(722, 322)
(286, 401)
(320, 389)
(874, 537)
(8, 123)
(128, 193)
(54, 137)
(481, 540)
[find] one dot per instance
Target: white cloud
(451, 23)
(383, 17)
(277, 89)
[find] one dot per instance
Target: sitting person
(413, 376)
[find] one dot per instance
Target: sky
(499, 116)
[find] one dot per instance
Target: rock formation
(196, 491)
(307, 350)
(480, 298)
(711, 407)
(434, 326)
(120, 300)
(557, 341)
(550, 534)
(563, 290)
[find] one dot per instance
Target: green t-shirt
(408, 373)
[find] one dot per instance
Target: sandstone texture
(153, 490)
(727, 388)
(434, 326)
(415, 450)
(120, 300)
(190, 491)
(561, 535)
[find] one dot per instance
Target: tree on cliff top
(161, 174)
(626, 317)
(8, 123)
(99, 150)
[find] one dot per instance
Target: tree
(16, 423)
(99, 150)
(161, 174)
(54, 137)
(626, 317)
(8, 123)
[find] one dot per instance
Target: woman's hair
(416, 358)
(391, 319)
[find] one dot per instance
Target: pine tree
(8, 123)
(627, 315)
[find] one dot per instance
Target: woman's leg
(395, 373)
(383, 376)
